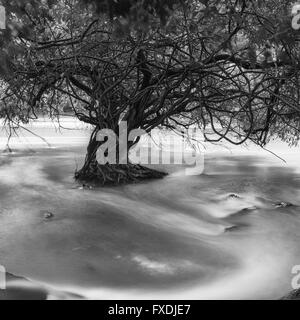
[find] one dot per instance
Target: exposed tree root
(116, 174)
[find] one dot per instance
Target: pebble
(283, 205)
(231, 228)
(48, 215)
(235, 196)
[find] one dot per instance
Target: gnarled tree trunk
(111, 174)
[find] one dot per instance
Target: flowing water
(218, 235)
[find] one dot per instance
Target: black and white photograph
(149, 151)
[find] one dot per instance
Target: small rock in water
(85, 186)
(234, 196)
(252, 208)
(232, 228)
(249, 209)
(283, 205)
(48, 215)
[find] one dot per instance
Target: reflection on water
(218, 235)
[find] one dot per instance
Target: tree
(230, 67)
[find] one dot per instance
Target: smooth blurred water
(184, 237)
